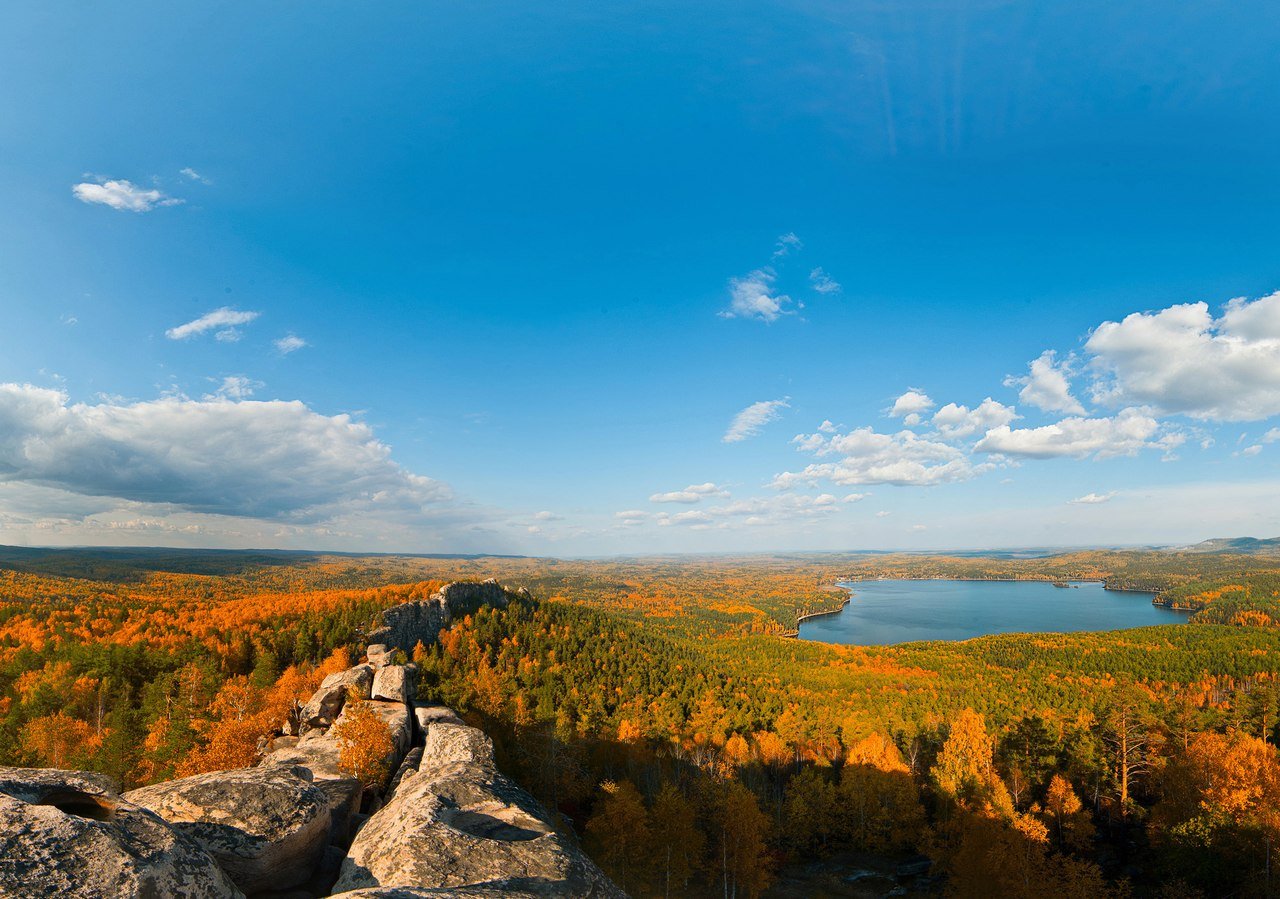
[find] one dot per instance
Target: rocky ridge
(445, 822)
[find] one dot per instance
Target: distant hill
(1249, 546)
(124, 564)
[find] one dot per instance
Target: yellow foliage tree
(365, 742)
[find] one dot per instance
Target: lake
(895, 611)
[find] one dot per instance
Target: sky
(592, 279)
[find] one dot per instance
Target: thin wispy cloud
(692, 494)
(288, 344)
(223, 321)
(786, 244)
(750, 420)
(823, 283)
(122, 195)
(191, 173)
(1091, 499)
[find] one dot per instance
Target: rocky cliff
(443, 822)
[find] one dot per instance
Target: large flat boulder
(266, 827)
(395, 683)
(326, 703)
(459, 822)
(318, 752)
(66, 834)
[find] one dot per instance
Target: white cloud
(911, 405)
(194, 175)
(883, 514)
(1046, 386)
(785, 244)
(689, 495)
(631, 515)
(1251, 450)
(223, 320)
(753, 296)
(750, 420)
(953, 421)
(823, 283)
(288, 344)
(267, 460)
(1124, 434)
(1183, 360)
(692, 517)
(1091, 499)
(123, 195)
(1271, 436)
(235, 387)
(548, 516)
(869, 457)
(855, 497)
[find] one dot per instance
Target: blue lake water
(893, 611)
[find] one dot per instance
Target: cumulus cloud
(1183, 360)
(750, 420)
(267, 460)
(1124, 434)
(911, 405)
(692, 494)
(1091, 499)
(1046, 386)
(869, 457)
(754, 512)
(954, 421)
(548, 516)
(123, 195)
(753, 296)
(223, 321)
(288, 344)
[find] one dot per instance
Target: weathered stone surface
(65, 834)
(318, 752)
(395, 683)
(326, 703)
(460, 822)
(427, 714)
(266, 827)
(407, 769)
(405, 625)
(378, 654)
(500, 889)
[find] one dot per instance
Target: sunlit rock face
(266, 827)
(458, 822)
(67, 834)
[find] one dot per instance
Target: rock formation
(459, 822)
(67, 833)
(266, 827)
(404, 626)
(446, 822)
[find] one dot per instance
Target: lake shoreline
(895, 612)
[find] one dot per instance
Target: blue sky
(536, 261)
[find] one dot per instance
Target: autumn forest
(663, 709)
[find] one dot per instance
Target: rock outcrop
(395, 683)
(322, 709)
(404, 626)
(266, 827)
(447, 824)
(458, 822)
(66, 833)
